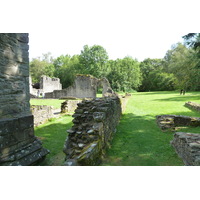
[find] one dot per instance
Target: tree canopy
(179, 69)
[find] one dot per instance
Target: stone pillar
(18, 145)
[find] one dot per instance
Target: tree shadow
(159, 92)
(53, 135)
(140, 142)
(180, 98)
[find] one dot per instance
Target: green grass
(56, 103)
(139, 141)
(53, 135)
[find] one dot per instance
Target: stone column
(18, 145)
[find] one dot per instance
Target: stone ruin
(46, 85)
(18, 144)
(193, 106)
(186, 145)
(172, 122)
(94, 126)
(41, 114)
(84, 86)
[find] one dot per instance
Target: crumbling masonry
(95, 123)
(18, 145)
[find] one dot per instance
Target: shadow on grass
(53, 135)
(139, 142)
(159, 92)
(180, 98)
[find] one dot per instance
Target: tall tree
(93, 60)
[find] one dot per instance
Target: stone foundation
(187, 146)
(193, 105)
(95, 123)
(41, 113)
(171, 122)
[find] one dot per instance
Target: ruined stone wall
(187, 146)
(85, 86)
(171, 122)
(18, 145)
(193, 105)
(41, 113)
(94, 126)
(48, 84)
(69, 105)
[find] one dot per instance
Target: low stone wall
(69, 105)
(187, 146)
(193, 105)
(170, 122)
(41, 113)
(95, 123)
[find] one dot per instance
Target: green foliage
(41, 66)
(124, 74)
(93, 60)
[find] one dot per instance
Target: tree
(93, 60)
(124, 74)
(150, 68)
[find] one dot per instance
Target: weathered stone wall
(41, 113)
(170, 122)
(18, 145)
(85, 86)
(48, 84)
(69, 105)
(95, 123)
(187, 146)
(193, 105)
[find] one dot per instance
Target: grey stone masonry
(94, 126)
(193, 105)
(18, 145)
(187, 146)
(171, 122)
(41, 113)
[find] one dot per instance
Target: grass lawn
(138, 140)
(53, 135)
(56, 103)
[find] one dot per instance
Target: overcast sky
(140, 28)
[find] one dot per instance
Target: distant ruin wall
(94, 126)
(187, 146)
(41, 113)
(48, 84)
(85, 86)
(18, 145)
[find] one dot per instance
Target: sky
(137, 28)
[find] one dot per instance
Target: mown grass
(138, 140)
(56, 103)
(53, 135)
